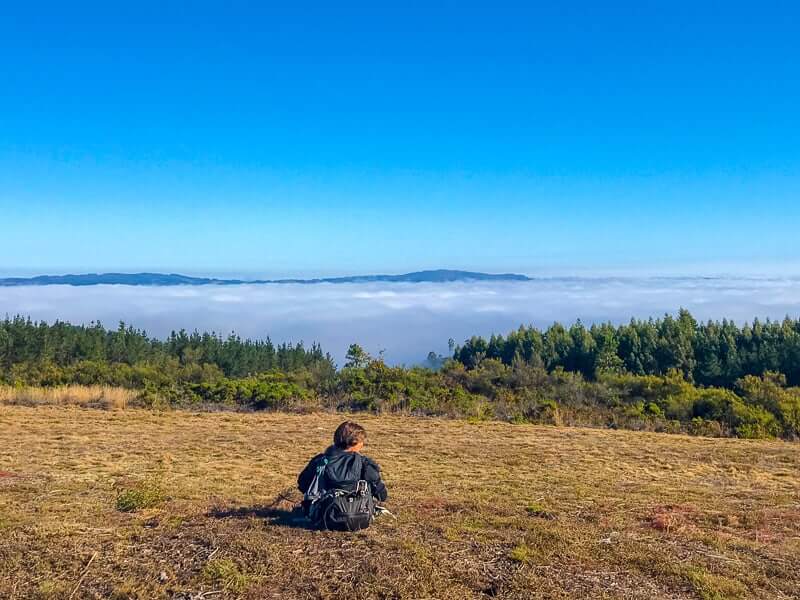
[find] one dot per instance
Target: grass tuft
(537, 509)
(521, 553)
(147, 494)
(51, 589)
(710, 586)
(226, 574)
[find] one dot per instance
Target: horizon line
(446, 276)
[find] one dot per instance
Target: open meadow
(137, 504)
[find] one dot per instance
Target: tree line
(671, 374)
(28, 345)
(714, 353)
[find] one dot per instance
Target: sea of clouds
(406, 320)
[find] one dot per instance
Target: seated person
(338, 471)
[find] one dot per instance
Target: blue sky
(328, 139)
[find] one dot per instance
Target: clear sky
(338, 138)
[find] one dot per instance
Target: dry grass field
(483, 510)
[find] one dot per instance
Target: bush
(700, 426)
(769, 393)
(728, 409)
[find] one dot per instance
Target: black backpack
(343, 506)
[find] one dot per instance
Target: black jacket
(344, 470)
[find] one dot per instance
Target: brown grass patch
(640, 515)
(85, 396)
(671, 519)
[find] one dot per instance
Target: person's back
(330, 482)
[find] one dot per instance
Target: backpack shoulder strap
(315, 490)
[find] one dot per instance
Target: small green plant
(147, 494)
(225, 573)
(51, 589)
(715, 587)
(520, 553)
(124, 592)
(537, 509)
(542, 543)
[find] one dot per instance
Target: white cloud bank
(407, 320)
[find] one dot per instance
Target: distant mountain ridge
(164, 279)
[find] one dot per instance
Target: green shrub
(700, 426)
(769, 393)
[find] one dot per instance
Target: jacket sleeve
(372, 475)
(307, 475)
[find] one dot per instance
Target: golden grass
(483, 510)
(87, 396)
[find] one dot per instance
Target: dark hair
(348, 434)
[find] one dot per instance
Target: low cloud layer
(405, 320)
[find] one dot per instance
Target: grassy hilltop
(135, 504)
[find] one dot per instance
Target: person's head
(350, 436)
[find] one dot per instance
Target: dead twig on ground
(83, 576)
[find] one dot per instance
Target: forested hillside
(27, 346)
(672, 374)
(713, 353)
